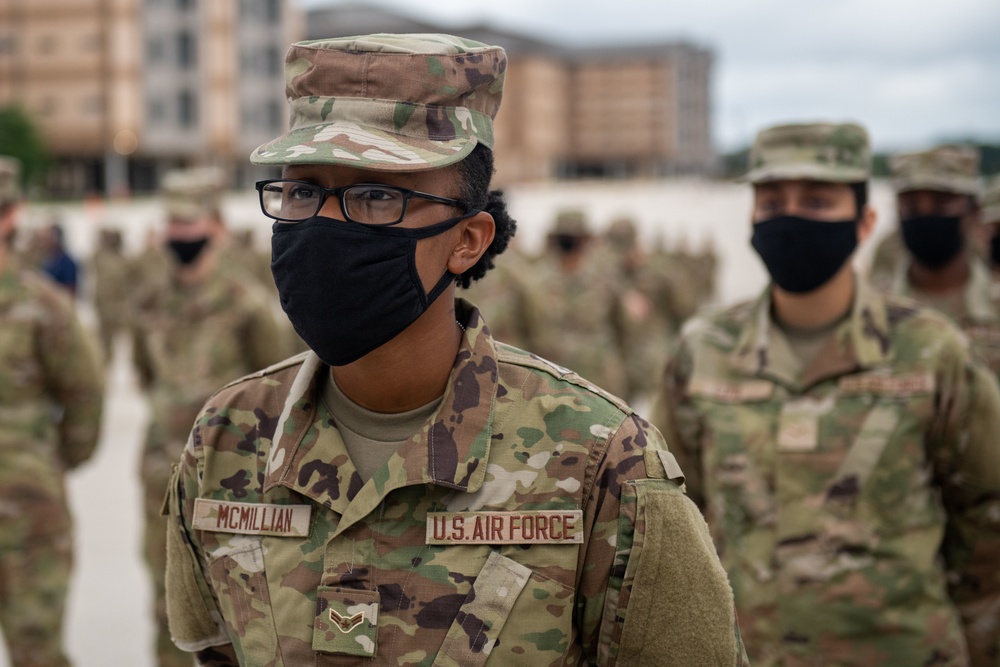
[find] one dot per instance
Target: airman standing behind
(937, 199)
(578, 296)
(843, 444)
(51, 392)
(112, 286)
(197, 326)
(990, 218)
(654, 299)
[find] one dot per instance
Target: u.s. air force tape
(529, 527)
(223, 516)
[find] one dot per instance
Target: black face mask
(995, 250)
(933, 240)
(567, 243)
(187, 251)
(802, 254)
(349, 288)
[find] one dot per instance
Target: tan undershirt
(371, 437)
(806, 343)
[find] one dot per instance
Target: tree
(21, 138)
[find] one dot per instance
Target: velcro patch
(904, 384)
(536, 527)
(222, 516)
(731, 392)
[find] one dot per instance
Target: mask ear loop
(442, 284)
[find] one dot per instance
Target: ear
(474, 238)
(866, 225)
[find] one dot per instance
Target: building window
(7, 44)
(274, 61)
(272, 10)
(47, 44)
(47, 106)
(187, 109)
(157, 111)
(275, 121)
(92, 42)
(155, 50)
(185, 5)
(92, 105)
(186, 55)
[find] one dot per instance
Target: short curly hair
(476, 172)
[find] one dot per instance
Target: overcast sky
(913, 71)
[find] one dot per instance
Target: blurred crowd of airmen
(840, 433)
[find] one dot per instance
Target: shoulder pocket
(676, 606)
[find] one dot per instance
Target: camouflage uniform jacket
(51, 388)
(191, 340)
(368, 571)
(975, 313)
(855, 502)
(584, 322)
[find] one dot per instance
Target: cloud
(911, 70)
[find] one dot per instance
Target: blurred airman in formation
(937, 201)
(51, 397)
(597, 303)
(112, 278)
(197, 325)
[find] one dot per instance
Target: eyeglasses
(364, 203)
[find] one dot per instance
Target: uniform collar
(451, 450)
(861, 341)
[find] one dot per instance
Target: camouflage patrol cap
(621, 233)
(10, 180)
(193, 193)
(945, 168)
(388, 102)
(991, 201)
(570, 223)
(837, 152)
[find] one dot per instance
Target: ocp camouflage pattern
(943, 168)
(837, 152)
(513, 433)
(855, 502)
(396, 103)
(51, 397)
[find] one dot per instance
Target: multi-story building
(629, 111)
(125, 89)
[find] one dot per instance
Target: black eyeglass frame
(339, 194)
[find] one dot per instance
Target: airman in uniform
(196, 327)
(842, 443)
(585, 324)
(654, 299)
(411, 491)
(937, 194)
(112, 287)
(50, 411)
(990, 218)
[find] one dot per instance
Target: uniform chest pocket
(512, 614)
(240, 584)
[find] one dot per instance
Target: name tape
(904, 384)
(534, 527)
(223, 516)
(731, 392)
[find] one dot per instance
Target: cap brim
(807, 172)
(350, 144)
(942, 184)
